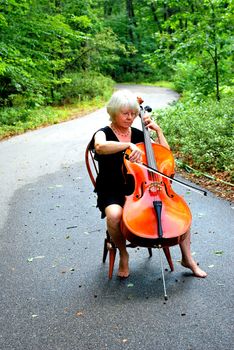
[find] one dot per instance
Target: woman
(110, 143)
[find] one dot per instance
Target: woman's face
(125, 117)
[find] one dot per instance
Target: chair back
(91, 163)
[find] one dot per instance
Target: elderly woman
(110, 142)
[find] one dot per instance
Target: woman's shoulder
(108, 132)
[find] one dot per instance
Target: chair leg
(112, 254)
(110, 248)
(168, 256)
(105, 250)
(150, 252)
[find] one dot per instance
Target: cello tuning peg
(148, 109)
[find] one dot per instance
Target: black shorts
(104, 199)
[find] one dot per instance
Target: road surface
(55, 293)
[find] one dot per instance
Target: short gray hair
(122, 99)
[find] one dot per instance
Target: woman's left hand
(149, 123)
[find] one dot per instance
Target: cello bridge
(155, 187)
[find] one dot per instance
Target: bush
(12, 116)
(85, 86)
(192, 77)
(202, 133)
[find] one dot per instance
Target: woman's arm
(102, 146)
(161, 139)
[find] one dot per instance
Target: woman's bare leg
(113, 218)
(187, 259)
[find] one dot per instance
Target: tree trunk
(131, 20)
(107, 6)
(217, 74)
(215, 59)
(154, 13)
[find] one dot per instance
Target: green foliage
(18, 120)
(190, 76)
(196, 34)
(202, 132)
(85, 85)
(41, 41)
(55, 52)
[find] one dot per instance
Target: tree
(197, 34)
(40, 41)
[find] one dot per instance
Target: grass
(162, 83)
(45, 116)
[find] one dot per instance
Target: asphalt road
(55, 293)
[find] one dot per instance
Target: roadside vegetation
(200, 132)
(86, 93)
(61, 59)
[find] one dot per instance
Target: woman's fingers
(135, 156)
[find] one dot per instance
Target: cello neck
(148, 145)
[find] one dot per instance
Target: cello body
(154, 214)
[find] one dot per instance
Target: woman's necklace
(120, 133)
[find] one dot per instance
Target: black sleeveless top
(110, 177)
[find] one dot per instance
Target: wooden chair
(109, 247)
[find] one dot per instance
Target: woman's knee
(114, 214)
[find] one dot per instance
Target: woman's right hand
(136, 153)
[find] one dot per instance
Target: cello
(154, 215)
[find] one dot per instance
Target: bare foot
(123, 271)
(197, 271)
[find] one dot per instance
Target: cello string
(149, 150)
(193, 188)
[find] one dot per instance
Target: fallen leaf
(218, 252)
(79, 313)
(36, 257)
